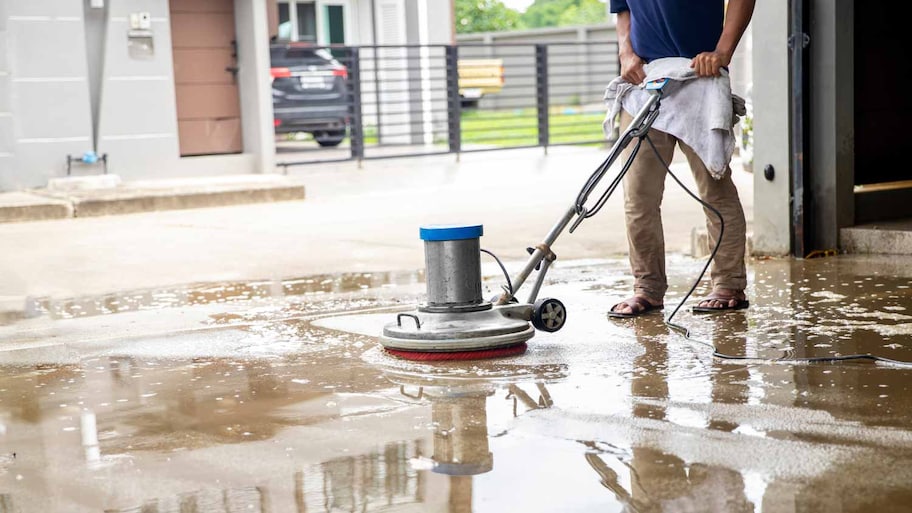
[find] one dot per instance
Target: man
(706, 32)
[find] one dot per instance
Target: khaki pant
(644, 185)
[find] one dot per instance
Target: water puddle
(210, 293)
(281, 399)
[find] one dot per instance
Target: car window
(301, 56)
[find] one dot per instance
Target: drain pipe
(797, 43)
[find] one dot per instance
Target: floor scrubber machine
(456, 323)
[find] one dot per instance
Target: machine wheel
(548, 314)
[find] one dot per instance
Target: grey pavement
(227, 359)
(275, 397)
(353, 219)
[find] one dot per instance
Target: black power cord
(502, 268)
(683, 330)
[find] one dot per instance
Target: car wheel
(467, 103)
(329, 137)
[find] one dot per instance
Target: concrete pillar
(136, 113)
(252, 27)
(770, 94)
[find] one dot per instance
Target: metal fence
(405, 100)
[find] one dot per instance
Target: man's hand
(631, 64)
(709, 64)
(632, 68)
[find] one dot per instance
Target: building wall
(45, 109)
(439, 20)
(364, 11)
(138, 116)
(770, 96)
(137, 124)
(70, 83)
(252, 27)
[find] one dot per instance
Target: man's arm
(631, 64)
(737, 17)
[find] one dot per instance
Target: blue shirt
(672, 28)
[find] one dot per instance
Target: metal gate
(416, 100)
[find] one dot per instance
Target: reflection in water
(375, 481)
(369, 482)
(191, 428)
(646, 479)
(207, 293)
(322, 430)
(253, 499)
(839, 306)
(459, 416)
(461, 431)
(729, 379)
(89, 431)
(197, 414)
(834, 306)
(126, 414)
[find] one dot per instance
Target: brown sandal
(638, 304)
(740, 304)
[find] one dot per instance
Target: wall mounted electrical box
(140, 21)
(140, 44)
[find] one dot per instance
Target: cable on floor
(685, 331)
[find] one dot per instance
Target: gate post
(454, 106)
(356, 129)
(541, 94)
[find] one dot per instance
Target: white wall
(137, 124)
(44, 91)
(254, 82)
(771, 230)
(50, 76)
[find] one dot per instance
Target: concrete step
(889, 238)
(24, 206)
(64, 199)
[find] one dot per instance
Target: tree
(485, 16)
(561, 13)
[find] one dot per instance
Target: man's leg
(728, 272)
(644, 185)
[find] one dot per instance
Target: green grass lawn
(519, 127)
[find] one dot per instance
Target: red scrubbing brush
(482, 354)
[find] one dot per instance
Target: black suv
(309, 92)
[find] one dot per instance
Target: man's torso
(673, 28)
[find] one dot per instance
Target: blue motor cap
(450, 232)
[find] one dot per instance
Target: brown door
(205, 69)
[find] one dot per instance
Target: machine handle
(413, 316)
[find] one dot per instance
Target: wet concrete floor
(277, 397)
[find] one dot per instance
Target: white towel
(700, 111)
